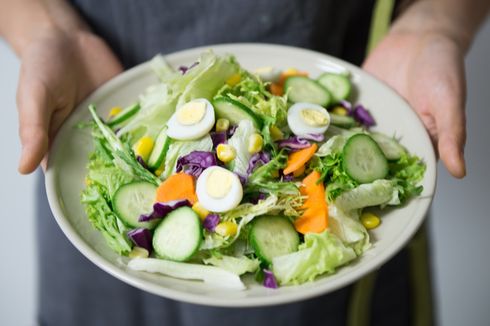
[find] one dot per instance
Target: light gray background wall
(460, 221)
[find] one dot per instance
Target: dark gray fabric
(137, 30)
(73, 291)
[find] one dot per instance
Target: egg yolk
(191, 113)
(218, 183)
(314, 117)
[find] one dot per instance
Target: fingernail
(20, 167)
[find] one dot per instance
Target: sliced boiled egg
(218, 190)
(268, 74)
(308, 118)
(192, 120)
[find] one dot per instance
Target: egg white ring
(178, 131)
(296, 122)
(219, 205)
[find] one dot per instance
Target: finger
(34, 116)
(451, 127)
(57, 118)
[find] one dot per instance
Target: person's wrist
(427, 21)
(30, 22)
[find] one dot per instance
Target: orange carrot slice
(297, 159)
(177, 186)
(290, 73)
(315, 216)
(276, 89)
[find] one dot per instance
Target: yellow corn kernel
(299, 172)
(222, 124)
(290, 71)
(276, 133)
(138, 252)
(200, 210)
(158, 172)
(115, 111)
(143, 147)
(233, 80)
(339, 110)
(255, 143)
(226, 229)
(370, 221)
(226, 153)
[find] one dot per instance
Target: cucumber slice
(179, 235)
(338, 85)
(160, 149)
(343, 121)
(390, 147)
(363, 159)
(273, 236)
(133, 199)
(304, 89)
(124, 115)
(235, 111)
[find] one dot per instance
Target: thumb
(34, 117)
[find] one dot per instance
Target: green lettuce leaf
(159, 102)
(239, 141)
(348, 228)
(264, 178)
(321, 253)
(237, 265)
(378, 193)
(252, 92)
(332, 146)
(160, 67)
(101, 216)
(406, 173)
(121, 154)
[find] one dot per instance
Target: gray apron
(73, 291)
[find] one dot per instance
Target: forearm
(456, 19)
(22, 20)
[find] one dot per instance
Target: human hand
(427, 69)
(58, 70)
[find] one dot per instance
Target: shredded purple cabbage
(141, 237)
(363, 116)
(313, 137)
(294, 143)
(160, 210)
(243, 179)
(231, 131)
(287, 177)
(346, 105)
(141, 161)
(218, 138)
(257, 197)
(299, 142)
(184, 69)
(196, 162)
(257, 160)
(269, 279)
(210, 222)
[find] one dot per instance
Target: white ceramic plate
(68, 158)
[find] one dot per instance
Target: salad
(216, 172)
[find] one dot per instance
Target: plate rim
(76, 239)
